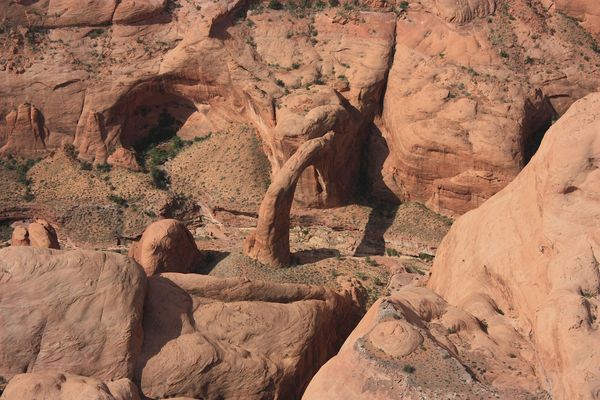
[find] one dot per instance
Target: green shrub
(28, 196)
(361, 276)
(70, 151)
(118, 200)
(165, 128)
(160, 179)
(586, 293)
(411, 269)
(275, 5)
(371, 262)
(392, 252)
(202, 138)
(404, 5)
(409, 369)
(426, 257)
(104, 167)
(22, 170)
(94, 33)
(86, 166)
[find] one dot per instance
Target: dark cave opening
(533, 140)
(149, 114)
(539, 117)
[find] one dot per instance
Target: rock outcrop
(166, 246)
(214, 338)
(131, 11)
(586, 11)
(79, 312)
(412, 344)
(58, 386)
(471, 90)
(124, 158)
(532, 251)
(36, 234)
(90, 144)
(463, 111)
(26, 133)
(337, 77)
(20, 236)
(69, 13)
(269, 243)
(203, 82)
(465, 10)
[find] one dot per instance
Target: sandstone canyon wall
(532, 252)
(467, 100)
(440, 102)
(510, 309)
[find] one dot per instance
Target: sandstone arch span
(269, 243)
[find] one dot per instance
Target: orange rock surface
(531, 251)
(165, 246)
(78, 311)
(214, 338)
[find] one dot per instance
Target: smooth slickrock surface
(59, 386)
(165, 246)
(214, 338)
(73, 311)
(532, 250)
(413, 345)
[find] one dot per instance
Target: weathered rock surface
(25, 132)
(586, 11)
(77, 311)
(412, 344)
(269, 243)
(114, 84)
(347, 62)
(124, 158)
(532, 251)
(131, 11)
(213, 338)
(36, 234)
(471, 90)
(166, 246)
(463, 110)
(90, 144)
(465, 10)
(123, 389)
(20, 236)
(72, 13)
(59, 386)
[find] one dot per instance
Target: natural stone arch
(269, 243)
